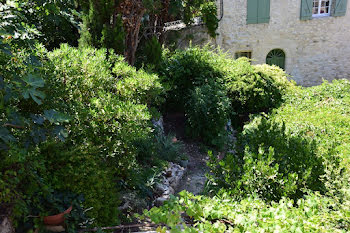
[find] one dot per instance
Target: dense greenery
(50, 22)
(211, 88)
(207, 113)
(77, 125)
(106, 106)
(314, 213)
(120, 24)
(290, 172)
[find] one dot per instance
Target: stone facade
(315, 49)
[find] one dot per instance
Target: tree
(120, 24)
(52, 19)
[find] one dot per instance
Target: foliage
(52, 203)
(207, 114)
(42, 19)
(320, 113)
(315, 213)
(150, 53)
(25, 122)
(200, 81)
(254, 89)
(274, 163)
(98, 30)
(97, 184)
(109, 103)
(184, 70)
(112, 24)
(300, 147)
(209, 15)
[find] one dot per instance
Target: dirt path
(194, 179)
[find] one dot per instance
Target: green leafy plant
(207, 113)
(271, 163)
(190, 213)
(254, 89)
(25, 122)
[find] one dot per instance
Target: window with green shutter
(319, 8)
(258, 11)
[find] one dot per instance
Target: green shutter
(258, 11)
(306, 10)
(264, 11)
(252, 11)
(340, 7)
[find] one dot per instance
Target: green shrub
(207, 114)
(150, 53)
(25, 122)
(109, 109)
(320, 113)
(271, 162)
(250, 89)
(184, 70)
(254, 89)
(82, 172)
(109, 103)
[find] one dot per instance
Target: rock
(6, 225)
(169, 191)
(160, 200)
(160, 188)
(184, 163)
(131, 201)
(159, 124)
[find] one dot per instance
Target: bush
(185, 70)
(109, 103)
(271, 162)
(109, 109)
(254, 89)
(250, 89)
(25, 122)
(320, 113)
(207, 114)
(82, 172)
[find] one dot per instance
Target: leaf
(34, 81)
(6, 136)
(37, 119)
(36, 95)
(56, 117)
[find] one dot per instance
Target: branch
(13, 126)
(121, 227)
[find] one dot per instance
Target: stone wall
(315, 49)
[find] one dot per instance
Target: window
(315, 8)
(321, 8)
(258, 11)
(247, 54)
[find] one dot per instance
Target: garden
(83, 87)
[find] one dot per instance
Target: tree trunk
(132, 12)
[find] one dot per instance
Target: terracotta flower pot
(57, 219)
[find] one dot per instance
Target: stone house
(310, 39)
